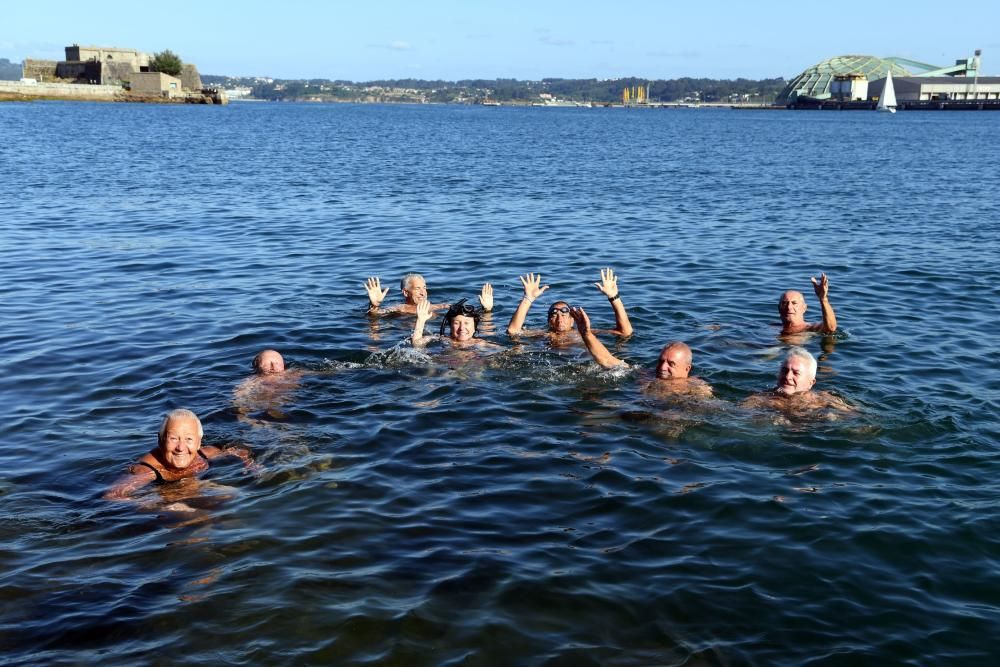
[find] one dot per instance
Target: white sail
(887, 100)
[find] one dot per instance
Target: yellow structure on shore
(635, 95)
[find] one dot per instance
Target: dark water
(529, 509)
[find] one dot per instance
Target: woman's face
(463, 327)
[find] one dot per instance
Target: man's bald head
(674, 362)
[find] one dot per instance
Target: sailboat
(887, 100)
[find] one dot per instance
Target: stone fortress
(101, 72)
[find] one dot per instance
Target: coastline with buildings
(848, 82)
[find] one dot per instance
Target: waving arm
(373, 286)
(596, 348)
(822, 289)
(609, 287)
(423, 314)
(532, 291)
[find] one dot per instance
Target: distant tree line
(9, 71)
(510, 90)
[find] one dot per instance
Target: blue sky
(444, 39)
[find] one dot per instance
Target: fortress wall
(115, 73)
(84, 72)
(40, 70)
(63, 90)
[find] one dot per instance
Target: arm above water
(486, 297)
(423, 314)
(822, 289)
(609, 287)
(596, 348)
(532, 291)
(373, 287)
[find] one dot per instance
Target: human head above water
(268, 362)
(559, 319)
(414, 288)
(462, 320)
(792, 307)
(180, 438)
(797, 372)
(674, 362)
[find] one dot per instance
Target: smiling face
(463, 327)
(674, 362)
(792, 307)
(415, 290)
(560, 321)
(795, 376)
(180, 442)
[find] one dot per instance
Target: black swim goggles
(558, 309)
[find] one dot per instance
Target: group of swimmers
(179, 453)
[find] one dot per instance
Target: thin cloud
(682, 55)
(398, 45)
(556, 41)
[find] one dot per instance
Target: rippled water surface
(423, 508)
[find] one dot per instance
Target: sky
(364, 40)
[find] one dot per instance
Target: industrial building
(857, 82)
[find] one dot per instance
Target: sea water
(422, 508)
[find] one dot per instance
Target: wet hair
(460, 308)
(179, 413)
(404, 282)
(797, 352)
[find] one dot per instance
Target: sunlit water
(526, 509)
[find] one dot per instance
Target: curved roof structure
(815, 81)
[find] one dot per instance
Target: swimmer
(560, 321)
(414, 290)
(794, 392)
(673, 368)
(268, 362)
(269, 388)
(462, 321)
(792, 310)
(178, 455)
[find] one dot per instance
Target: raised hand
(486, 297)
(608, 284)
(579, 316)
(531, 282)
(373, 286)
(821, 286)
(423, 313)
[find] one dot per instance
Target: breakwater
(16, 90)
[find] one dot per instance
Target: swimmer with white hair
(414, 290)
(794, 389)
(178, 455)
